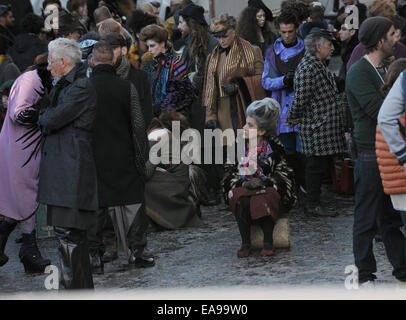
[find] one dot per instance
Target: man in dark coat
(139, 78)
(125, 70)
(67, 176)
(120, 148)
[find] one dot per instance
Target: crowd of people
(87, 94)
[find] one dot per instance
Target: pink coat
(19, 186)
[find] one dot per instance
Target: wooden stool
(281, 234)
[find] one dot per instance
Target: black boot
(6, 227)
(76, 271)
(140, 260)
(30, 256)
(96, 261)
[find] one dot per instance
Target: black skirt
(70, 217)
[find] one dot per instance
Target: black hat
(195, 12)
(260, 5)
(114, 39)
(4, 8)
(373, 29)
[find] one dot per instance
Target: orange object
(392, 173)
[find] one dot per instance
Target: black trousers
(316, 168)
(76, 271)
(244, 222)
(136, 237)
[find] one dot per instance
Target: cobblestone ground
(205, 257)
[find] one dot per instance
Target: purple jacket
(271, 80)
(359, 52)
(18, 186)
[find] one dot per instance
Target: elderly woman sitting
(259, 195)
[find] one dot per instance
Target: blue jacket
(272, 81)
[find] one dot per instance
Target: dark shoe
(268, 250)
(6, 228)
(244, 251)
(96, 262)
(109, 255)
(142, 261)
(30, 256)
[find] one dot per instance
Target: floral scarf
(263, 151)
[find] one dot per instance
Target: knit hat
(260, 5)
(373, 30)
(195, 12)
(4, 8)
(6, 87)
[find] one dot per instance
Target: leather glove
(211, 124)
(44, 102)
(288, 79)
(230, 88)
(254, 183)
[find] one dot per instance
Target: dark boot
(96, 261)
(140, 260)
(30, 256)
(110, 254)
(6, 227)
(76, 271)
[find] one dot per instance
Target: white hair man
(67, 178)
(315, 108)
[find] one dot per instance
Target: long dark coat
(67, 176)
(117, 141)
(317, 105)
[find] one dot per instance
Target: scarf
(239, 63)
(263, 151)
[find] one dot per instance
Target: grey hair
(312, 41)
(63, 47)
(266, 113)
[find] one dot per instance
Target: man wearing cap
(315, 108)
(363, 87)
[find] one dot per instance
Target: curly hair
(140, 19)
(394, 70)
(199, 40)
(288, 17)
(300, 9)
(383, 8)
(247, 27)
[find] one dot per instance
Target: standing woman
(253, 27)
(199, 43)
(232, 59)
(19, 178)
(164, 66)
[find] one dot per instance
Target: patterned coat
(278, 175)
(317, 105)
